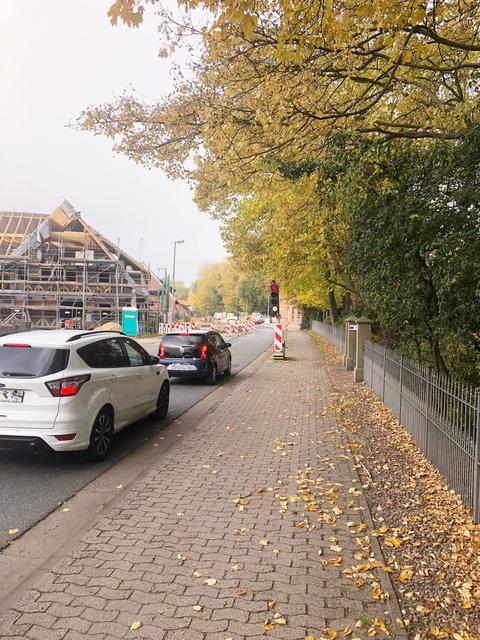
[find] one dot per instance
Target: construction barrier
(165, 327)
(278, 341)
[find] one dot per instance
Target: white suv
(72, 390)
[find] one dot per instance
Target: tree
(272, 77)
(206, 290)
(413, 247)
(181, 291)
(223, 287)
(324, 133)
(229, 287)
(252, 291)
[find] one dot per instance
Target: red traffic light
(274, 287)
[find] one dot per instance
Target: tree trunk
(438, 361)
(347, 301)
(332, 303)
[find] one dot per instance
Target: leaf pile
(430, 543)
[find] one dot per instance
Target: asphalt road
(33, 485)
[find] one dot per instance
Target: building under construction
(57, 271)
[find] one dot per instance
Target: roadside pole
(274, 306)
(278, 343)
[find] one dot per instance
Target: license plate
(181, 367)
(11, 395)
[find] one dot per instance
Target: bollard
(278, 345)
(364, 333)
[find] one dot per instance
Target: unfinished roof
(20, 233)
(14, 227)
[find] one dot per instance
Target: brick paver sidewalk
(242, 530)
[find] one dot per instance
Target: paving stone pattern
(142, 562)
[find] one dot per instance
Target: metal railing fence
(334, 335)
(441, 414)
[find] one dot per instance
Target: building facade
(56, 270)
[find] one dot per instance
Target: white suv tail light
(65, 387)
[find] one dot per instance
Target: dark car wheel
(162, 402)
(212, 375)
(228, 370)
(101, 436)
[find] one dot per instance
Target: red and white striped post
(278, 351)
(228, 329)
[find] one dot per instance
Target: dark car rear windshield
(31, 362)
(180, 340)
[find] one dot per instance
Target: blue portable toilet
(130, 321)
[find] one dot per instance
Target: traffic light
(274, 299)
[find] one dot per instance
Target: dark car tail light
(66, 387)
(161, 352)
(203, 352)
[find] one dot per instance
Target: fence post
(476, 469)
(427, 409)
(372, 361)
(348, 359)
(384, 371)
(364, 332)
(400, 399)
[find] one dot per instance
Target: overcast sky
(56, 57)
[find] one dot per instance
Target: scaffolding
(56, 270)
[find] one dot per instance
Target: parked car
(196, 354)
(73, 390)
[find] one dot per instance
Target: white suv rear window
(31, 362)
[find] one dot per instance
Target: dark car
(196, 354)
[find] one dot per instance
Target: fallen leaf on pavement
(12, 532)
(136, 625)
(197, 607)
(210, 582)
(279, 619)
(268, 625)
(378, 622)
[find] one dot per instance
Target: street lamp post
(161, 294)
(174, 309)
